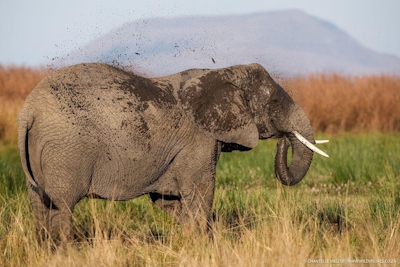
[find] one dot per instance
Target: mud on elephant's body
(92, 130)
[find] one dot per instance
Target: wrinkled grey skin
(92, 130)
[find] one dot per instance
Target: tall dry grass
(15, 85)
(337, 104)
(277, 227)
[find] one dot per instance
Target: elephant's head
(242, 104)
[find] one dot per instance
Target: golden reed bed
(334, 103)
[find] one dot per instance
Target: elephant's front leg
(197, 184)
(197, 195)
(186, 190)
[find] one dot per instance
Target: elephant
(92, 130)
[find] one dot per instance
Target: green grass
(347, 207)
(354, 160)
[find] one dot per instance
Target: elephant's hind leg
(40, 212)
(51, 221)
(65, 174)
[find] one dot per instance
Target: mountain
(285, 42)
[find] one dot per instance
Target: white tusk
(321, 141)
(309, 145)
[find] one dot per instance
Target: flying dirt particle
(213, 60)
(137, 53)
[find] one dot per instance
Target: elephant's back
(76, 82)
(89, 75)
(97, 99)
(87, 84)
(95, 87)
(81, 79)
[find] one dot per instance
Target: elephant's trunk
(301, 161)
(301, 154)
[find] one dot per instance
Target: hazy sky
(32, 32)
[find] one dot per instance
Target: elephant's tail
(25, 123)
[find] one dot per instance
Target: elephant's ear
(216, 105)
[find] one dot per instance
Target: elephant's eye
(274, 101)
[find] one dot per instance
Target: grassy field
(346, 208)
